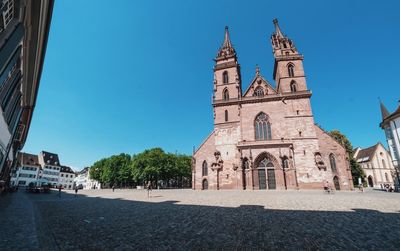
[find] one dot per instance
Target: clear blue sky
(123, 76)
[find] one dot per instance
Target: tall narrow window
(332, 161)
(383, 164)
(262, 127)
(226, 95)
(204, 170)
(291, 70)
(387, 177)
(225, 78)
(293, 86)
(226, 115)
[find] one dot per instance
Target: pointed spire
(227, 40)
(278, 31)
(384, 111)
(226, 48)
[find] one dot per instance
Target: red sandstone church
(265, 137)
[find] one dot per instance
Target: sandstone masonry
(265, 137)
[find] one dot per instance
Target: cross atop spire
(226, 49)
(385, 113)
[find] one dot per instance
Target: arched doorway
(370, 181)
(205, 184)
(336, 182)
(266, 173)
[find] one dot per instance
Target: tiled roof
(28, 159)
(365, 155)
(50, 158)
(66, 169)
(84, 170)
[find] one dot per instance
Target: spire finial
(277, 29)
(257, 70)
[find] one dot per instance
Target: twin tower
(265, 137)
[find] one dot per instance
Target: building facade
(391, 125)
(24, 28)
(51, 167)
(83, 180)
(67, 177)
(377, 165)
(27, 171)
(44, 167)
(265, 137)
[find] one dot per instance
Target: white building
(377, 165)
(27, 171)
(391, 124)
(50, 167)
(44, 167)
(67, 177)
(84, 181)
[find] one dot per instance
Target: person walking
(113, 187)
(59, 191)
(76, 191)
(149, 189)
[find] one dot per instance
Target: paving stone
(216, 220)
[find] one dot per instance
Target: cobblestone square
(201, 220)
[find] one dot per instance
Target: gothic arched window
(226, 95)
(262, 127)
(226, 115)
(259, 92)
(383, 163)
(204, 170)
(387, 177)
(293, 86)
(332, 161)
(225, 78)
(290, 70)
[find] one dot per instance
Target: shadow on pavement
(94, 223)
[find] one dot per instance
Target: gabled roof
(259, 80)
(366, 155)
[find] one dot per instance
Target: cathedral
(265, 137)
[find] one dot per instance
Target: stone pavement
(201, 220)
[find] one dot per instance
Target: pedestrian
(59, 191)
(148, 189)
(76, 191)
(113, 187)
(326, 187)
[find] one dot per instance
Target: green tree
(151, 165)
(356, 170)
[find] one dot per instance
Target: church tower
(288, 68)
(227, 83)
